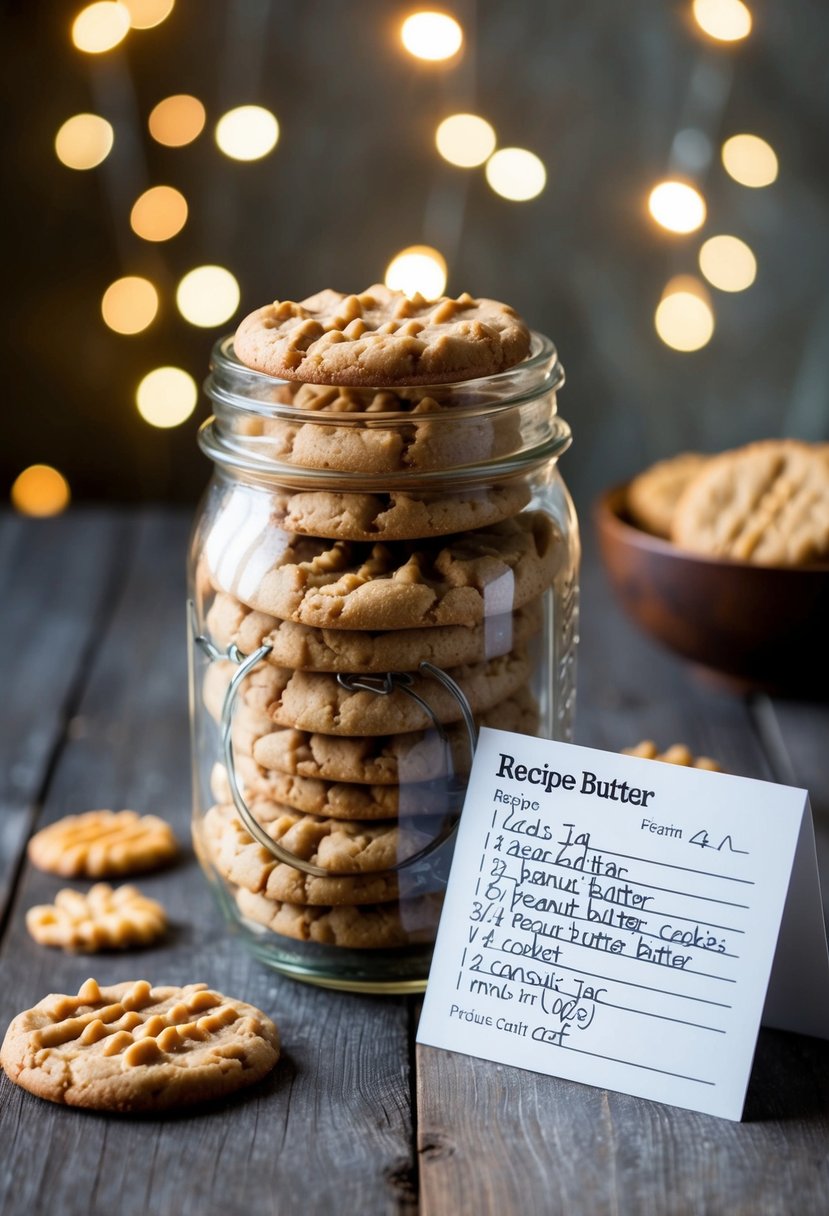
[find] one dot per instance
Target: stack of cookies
(373, 564)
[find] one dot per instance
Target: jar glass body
(373, 576)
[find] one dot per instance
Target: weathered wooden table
(354, 1119)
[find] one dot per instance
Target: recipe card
(614, 921)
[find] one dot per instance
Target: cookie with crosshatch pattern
(103, 844)
(132, 1047)
(382, 338)
(766, 503)
(100, 919)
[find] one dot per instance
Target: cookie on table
(653, 495)
(131, 1047)
(388, 760)
(378, 927)
(100, 919)
(305, 648)
(766, 503)
(677, 753)
(239, 859)
(461, 580)
(103, 844)
(382, 338)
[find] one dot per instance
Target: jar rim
(540, 372)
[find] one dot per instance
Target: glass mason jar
(373, 575)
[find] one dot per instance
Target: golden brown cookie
(304, 648)
(396, 515)
(383, 432)
(678, 753)
(315, 701)
(350, 585)
(331, 799)
(103, 844)
(131, 1047)
(415, 757)
(653, 495)
(767, 503)
(342, 846)
(382, 338)
(101, 919)
(378, 927)
(238, 858)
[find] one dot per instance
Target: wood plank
(494, 1139)
(56, 576)
(331, 1129)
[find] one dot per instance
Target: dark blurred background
(612, 97)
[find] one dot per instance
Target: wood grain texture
(330, 1130)
(495, 1140)
(55, 576)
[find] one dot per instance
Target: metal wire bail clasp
(383, 684)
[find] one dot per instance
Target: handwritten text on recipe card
(612, 920)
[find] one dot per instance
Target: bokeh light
(208, 296)
(725, 20)
(247, 133)
(516, 174)
(129, 305)
(419, 268)
(40, 490)
(677, 206)
(465, 140)
(177, 120)
(166, 396)
(684, 319)
(431, 35)
(145, 14)
(728, 263)
(84, 141)
(101, 26)
(159, 213)
(750, 160)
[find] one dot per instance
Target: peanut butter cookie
(101, 919)
(331, 799)
(238, 858)
(382, 338)
(653, 495)
(131, 1047)
(766, 503)
(103, 844)
(381, 927)
(305, 648)
(348, 585)
(391, 759)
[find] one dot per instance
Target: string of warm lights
(467, 141)
(684, 318)
(208, 296)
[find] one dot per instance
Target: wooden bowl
(758, 627)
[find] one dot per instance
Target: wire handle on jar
(381, 685)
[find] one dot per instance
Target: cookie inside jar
(385, 562)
